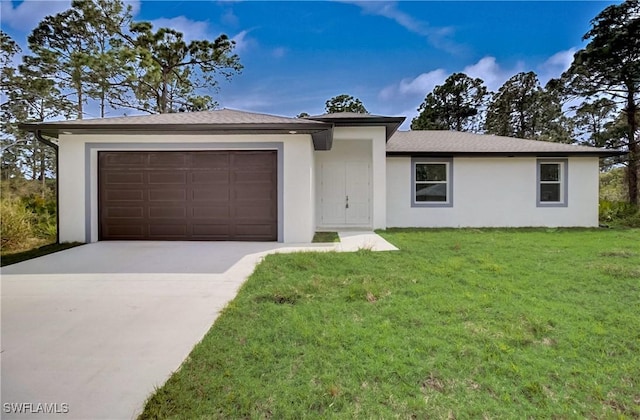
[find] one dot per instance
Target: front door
(345, 194)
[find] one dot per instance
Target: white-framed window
(431, 182)
(552, 183)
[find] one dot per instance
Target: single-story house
(233, 175)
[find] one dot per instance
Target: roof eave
(601, 154)
(391, 123)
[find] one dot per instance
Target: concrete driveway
(93, 330)
(90, 332)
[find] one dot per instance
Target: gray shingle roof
(455, 142)
(215, 117)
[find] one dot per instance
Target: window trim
(449, 168)
(564, 183)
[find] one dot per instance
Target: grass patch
(458, 323)
(326, 237)
(16, 257)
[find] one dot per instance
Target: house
(233, 175)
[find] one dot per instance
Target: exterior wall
(358, 144)
(495, 192)
(79, 176)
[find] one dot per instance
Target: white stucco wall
(495, 192)
(358, 144)
(79, 176)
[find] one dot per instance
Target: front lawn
(458, 324)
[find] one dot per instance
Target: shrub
(16, 227)
(619, 213)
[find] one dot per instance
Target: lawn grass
(457, 324)
(16, 257)
(326, 237)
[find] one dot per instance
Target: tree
(82, 50)
(344, 103)
(455, 105)
(170, 73)
(610, 65)
(302, 115)
(592, 119)
(522, 108)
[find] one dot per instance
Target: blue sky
(389, 54)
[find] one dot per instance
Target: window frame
(448, 162)
(563, 182)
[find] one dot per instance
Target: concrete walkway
(90, 332)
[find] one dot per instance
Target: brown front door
(188, 196)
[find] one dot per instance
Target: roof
(210, 122)
(351, 119)
(448, 143)
(200, 118)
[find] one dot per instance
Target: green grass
(458, 324)
(13, 258)
(326, 237)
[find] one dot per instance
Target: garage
(188, 195)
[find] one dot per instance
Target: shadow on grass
(17, 257)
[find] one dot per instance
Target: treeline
(96, 51)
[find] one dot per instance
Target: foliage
(619, 214)
(455, 105)
(344, 103)
(170, 71)
(326, 237)
(610, 65)
(457, 324)
(16, 227)
(612, 185)
(522, 108)
(28, 214)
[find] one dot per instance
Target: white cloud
(437, 36)
(242, 40)
(555, 65)
(414, 87)
(191, 29)
(26, 15)
(490, 71)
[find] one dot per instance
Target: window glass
(431, 192)
(549, 172)
(550, 192)
(431, 172)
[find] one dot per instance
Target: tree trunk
(634, 147)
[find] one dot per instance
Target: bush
(16, 228)
(619, 213)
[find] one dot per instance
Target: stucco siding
(494, 192)
(79, 176)
(357, 145)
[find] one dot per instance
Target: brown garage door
(219, 195)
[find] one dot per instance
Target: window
(552, 183)
(431, 183)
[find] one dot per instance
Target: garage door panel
(220, 231)
(176, 177)
(167, 195)
(167, 230)
(125, 195)
(210, 160)
(124, 212)
(195, 195)
(128, 178)
(125, 231)
(212, 212)
(124, 159)
(215, 193)
(164, 159)
(167, 212)
(210, 177)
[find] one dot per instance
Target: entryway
(345, 193)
